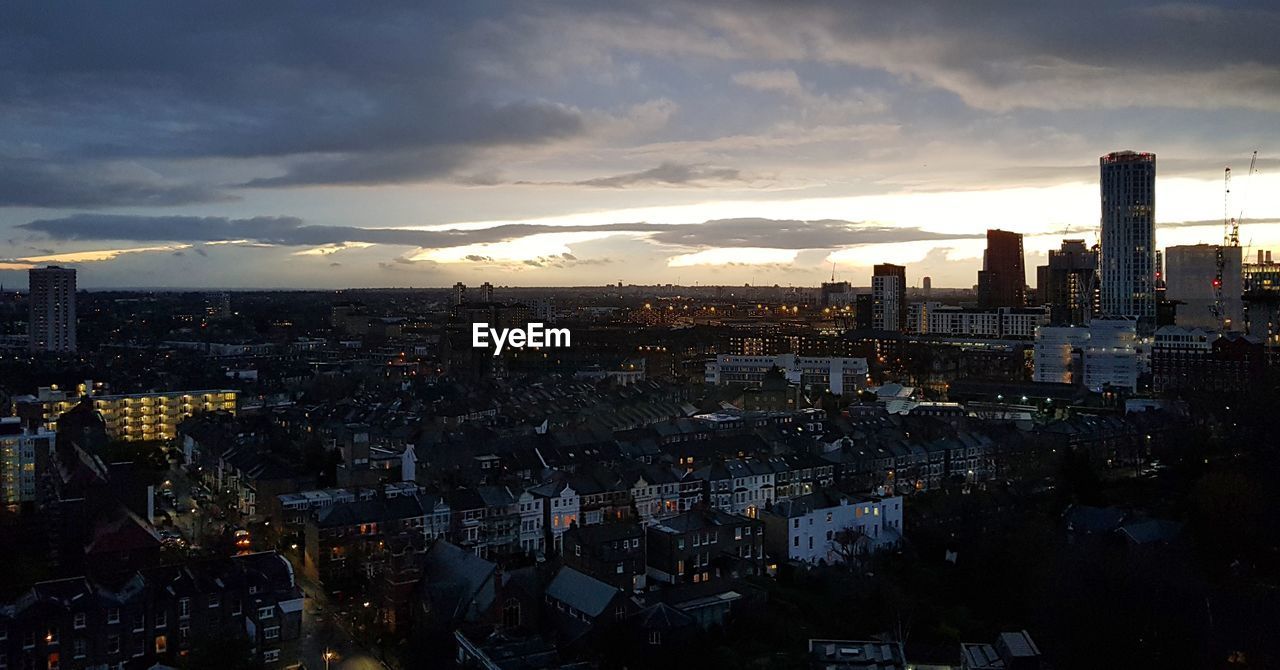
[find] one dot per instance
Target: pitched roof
(581, 591)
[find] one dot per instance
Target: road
(323, 632)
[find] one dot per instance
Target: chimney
(1268, 257)
(1260, 256)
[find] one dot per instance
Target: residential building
(580, 605)
(889, 297)
(561, 509)
(1068, 283)
(701, 545)
(836, 294)
(130, 416)
(52, 322)
(155, 616)
(856, 655)
(1128, 248)
(831, 527)
(1193, 358)
(612, 552)
(355, 538)
(1002, 281)
(23, 451)
(1206, 295)
(839, 375)
(932, 318)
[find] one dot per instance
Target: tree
(221, 650)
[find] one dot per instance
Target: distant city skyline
(562, 145)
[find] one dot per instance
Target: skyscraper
(1067, 283)
(1002, 282)
(889, 297)
(52, 326)
(1128, 188)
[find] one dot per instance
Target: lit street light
(329, 655)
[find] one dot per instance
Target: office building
(20, 449)
(52, 324)
(131, 416)
(1002, 282)
(816, 373)
(1128, 250)
(1068, 283)
(1194, 285)
(889, 297)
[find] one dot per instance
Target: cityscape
(569, 337)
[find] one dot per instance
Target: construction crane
(1218, 309)
(1230, 238)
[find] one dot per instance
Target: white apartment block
(886, 300)
(933, 318)
(18, 447)
(837, 374)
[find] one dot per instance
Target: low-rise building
(155, 616)
(704, 544)
(611, 552)
(831, 527)
(129, 416)
(349, 539)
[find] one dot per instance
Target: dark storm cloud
(341, 93)
(291, 231)
(34, 183)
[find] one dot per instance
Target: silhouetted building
(1128, 256)
(1002, 282)
(52, 326)
(1068, 284)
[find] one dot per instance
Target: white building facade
(840, 375)
(828, 527)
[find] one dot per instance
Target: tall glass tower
(1128, 251)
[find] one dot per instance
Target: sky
(333, 144)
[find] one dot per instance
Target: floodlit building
(130, 416)
(19, 449)
(1101, 355)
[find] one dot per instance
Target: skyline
(569, 145)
